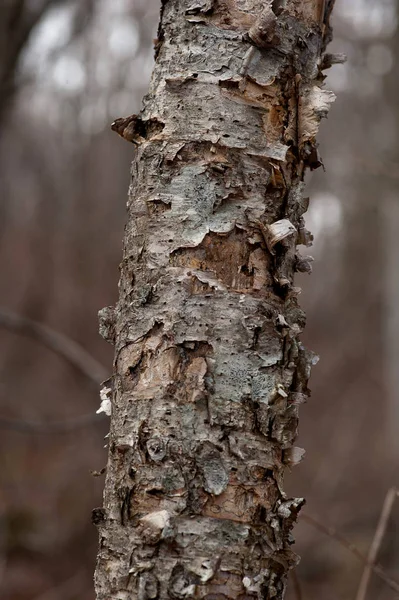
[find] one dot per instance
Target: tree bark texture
(209, 371)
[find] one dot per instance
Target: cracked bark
(209, 370)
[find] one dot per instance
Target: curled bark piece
(279, 231)
(106, 320)
(263, 32)
(293, 456)
(153, 525)
(328, 60)
(106, 405)
(305, 237)
(199, 6)
(314, 104)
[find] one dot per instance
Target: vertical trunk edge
(209, 371)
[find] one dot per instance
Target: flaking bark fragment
(314, 104)
(328, 60)
(106, 319)
(199, 6)
(303, 263)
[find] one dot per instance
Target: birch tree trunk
(209, 370)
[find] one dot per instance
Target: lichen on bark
(209, 370)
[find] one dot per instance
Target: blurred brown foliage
(68, 68)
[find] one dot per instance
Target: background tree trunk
(18, 20)
(209, 370)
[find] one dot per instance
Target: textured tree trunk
(209, 370)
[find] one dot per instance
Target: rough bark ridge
(209, 370)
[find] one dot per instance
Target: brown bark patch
(227, 15)
(227, 256)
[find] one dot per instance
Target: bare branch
(67, 589)
(296, 584)
(52, 427)
(333, 533)
(389, 501)
(67, 349)
(58, 343)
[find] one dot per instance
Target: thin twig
(67, 589)
(52, 427)
(67, 349)
(58, 343)
(378, 168)
(296, 584)
(333, 533)
(376, 543)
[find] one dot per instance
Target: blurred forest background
(68, 68)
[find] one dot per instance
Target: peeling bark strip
(209, 369)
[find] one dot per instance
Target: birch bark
(209, 370)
